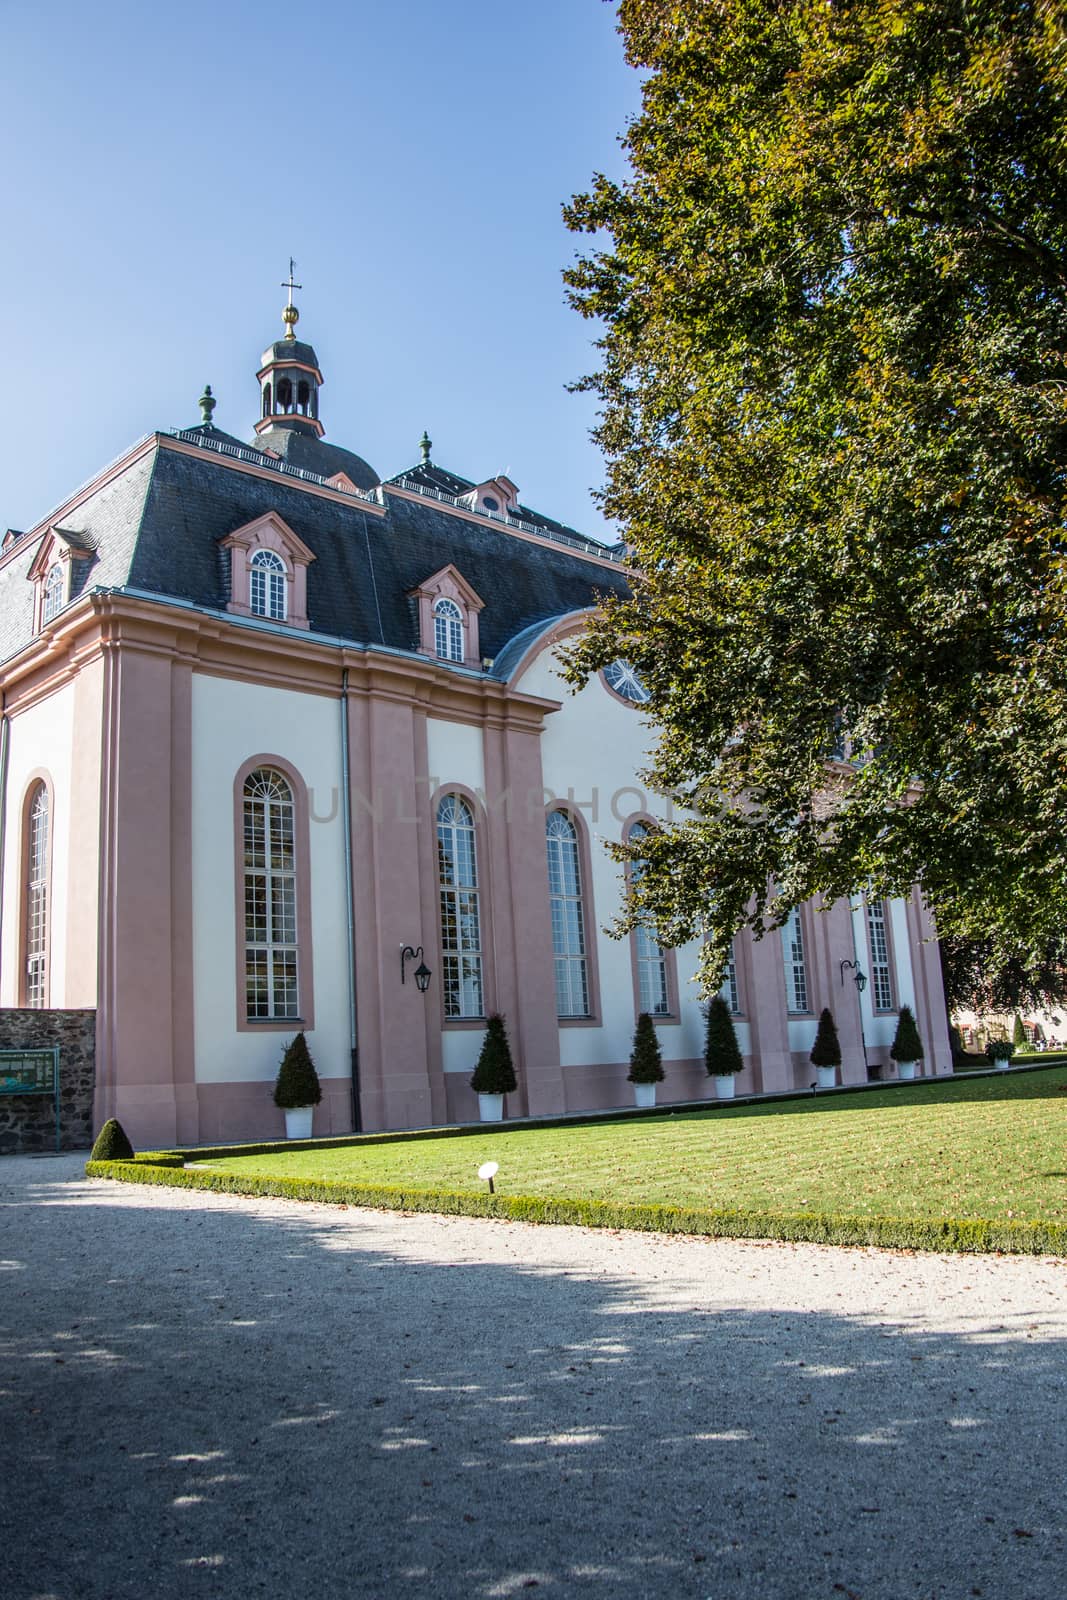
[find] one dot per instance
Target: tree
(297, 1083)
(722, 1053)
(495, 1071)
(833, 391)
(826, 1051)
(1018, 1034)
(906, 1046)
(976, 981)
(646, 1060)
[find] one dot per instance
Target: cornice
(116, 623)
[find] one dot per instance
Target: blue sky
(163, 163)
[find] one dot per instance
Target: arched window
(881, 976)
(795, 961)
(267, 585)
(270, 896)
(650, 959)
(568, 917)
(303, 395)
(461, 930)
(53, 597)
(448, 630)
(266, 399)
(728, 989)
(285, 395)
(37, 908)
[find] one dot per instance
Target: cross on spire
(289, 284)
(291, 316)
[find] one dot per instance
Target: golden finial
(291, 316)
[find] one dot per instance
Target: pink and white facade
(280, 720)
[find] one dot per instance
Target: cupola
(289, 378)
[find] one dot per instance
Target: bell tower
(289, 378)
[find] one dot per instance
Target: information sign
(31, 1072)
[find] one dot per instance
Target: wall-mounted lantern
(422, 973)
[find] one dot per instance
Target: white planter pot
(491, 1107)
(905, 1069)
(1002, 1065)
(826, 1077)
(644, 1094)
(724, 1086)
(298, 1122)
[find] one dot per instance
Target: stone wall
(28, 1122)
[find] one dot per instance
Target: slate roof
(428, 475)
(156, 527)
(302, 449)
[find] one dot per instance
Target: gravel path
(202, 1395)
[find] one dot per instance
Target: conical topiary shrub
(297, 1083)
(646, 1062)
(1018, 1034)
(495, 1072)
(906, 1046)
(826, 1051)
(722, 1053)
(112, 1143)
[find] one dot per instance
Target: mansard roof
(428, 475)
(157, 526)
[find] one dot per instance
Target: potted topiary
(112, 1143)
(296, 1088)
(907, 1047)
(825, 1054)
(646, 1063)
(494, 1076)
(1000, 1052)
(722, 1053)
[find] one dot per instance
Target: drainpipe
(4, 725)
(350, 910)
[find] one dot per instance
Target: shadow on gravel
(227, 1404)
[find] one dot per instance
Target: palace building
(284, 746)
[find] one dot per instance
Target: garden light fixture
(488, 1170)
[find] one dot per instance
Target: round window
(623, 678)
(489, 503)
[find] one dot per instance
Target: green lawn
(991, 1148)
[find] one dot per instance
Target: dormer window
(267, 586)
(448, 630)
(498, 496)
(268, 571)
(58, 572)
(448, 618)
(54, 594)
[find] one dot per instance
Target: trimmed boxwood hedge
(974, 1235)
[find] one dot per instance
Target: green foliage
(722, 1053)
(906, 1046)
(981, 978)
(1000, 1049)
(826, 1051)
(900, 1233)
(297, 1083)
(1018, 1034)
(112, 1143)
(646, 1062)
(495, 1071)
(833, 389)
